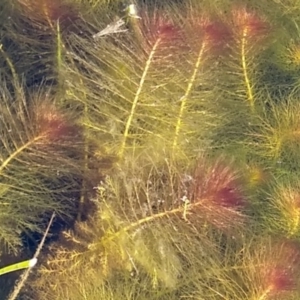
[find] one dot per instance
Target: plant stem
(295, 223)
(182, 209)
(245, 70)
(17, 152)
(18, 266)
(25, 275)
(136, 98)
(85, 160)
(186, 95)
(265, 294)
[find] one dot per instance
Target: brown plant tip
(282, 270)
(280, 280)
(162, 38)
(219, 183)
(52, 125)
(167, 31)
(248, 23)
(158, 27)
(290, 253)
(217, 33)
(213, 32)
(217, 194)
(49, 11)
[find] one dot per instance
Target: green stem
(19, 266)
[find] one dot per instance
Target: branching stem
(180, 210)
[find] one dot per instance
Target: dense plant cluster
(164, 135)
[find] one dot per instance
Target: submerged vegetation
(163, 136)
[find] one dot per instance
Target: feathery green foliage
(172, 128)
(31, 134)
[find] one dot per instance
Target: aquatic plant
(168, 135)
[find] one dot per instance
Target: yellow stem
(85, 158)
(295, 223)
(245, 70)
(45, 9)
(59, 47)
(136, 98)
(187, 93)
(184, 209)
(17, 152)
(10, 64)
(265, 294)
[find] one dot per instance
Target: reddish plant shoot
(248, 24)
(50, 11)
(213, 32)
(217, 194)
(157, 28)
(282, 269)
(52, 124)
